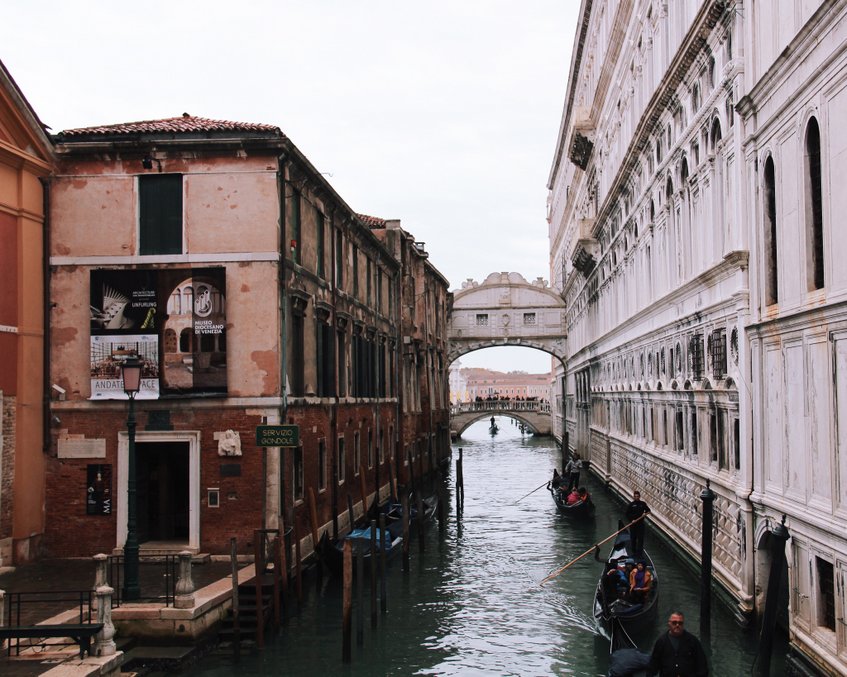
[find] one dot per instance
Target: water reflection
(472, 603)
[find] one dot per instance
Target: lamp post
(131, 373)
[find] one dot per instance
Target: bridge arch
(506, 310)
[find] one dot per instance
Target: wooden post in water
(347, 602)
(313, 516)
(373, 573)
(363, 485)
(404, 502)
(442, 524)
(236, 626)
(276, 553)
(360, 593)
(259, 564)
(385, 544)
(283, 566)
(350, 511)
(298, 563)
(420, 519)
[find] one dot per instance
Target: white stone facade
(692, 208)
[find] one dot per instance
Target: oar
(532, 492)
(590, 550)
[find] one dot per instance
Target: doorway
(162, 491)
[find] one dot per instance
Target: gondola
(608, 604)
(625, 658)
(393, 511)
(580, 509)
(332, 552)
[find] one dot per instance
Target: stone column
(185, 585)
(101, 576)
(104, 643)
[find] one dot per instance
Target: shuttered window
(160, 214)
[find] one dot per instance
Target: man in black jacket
(635, 510)
(678, 653)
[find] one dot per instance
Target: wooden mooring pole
(373, 544)
(383, 590)
(404, 502)
(347, 603)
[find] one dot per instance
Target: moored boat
(332, 552)
(612, 600)
(625, 658)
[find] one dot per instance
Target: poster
(98, 490)
(173, 320)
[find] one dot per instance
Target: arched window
(716, 134)
(771, 269)
(683, 173)
(814, 207)
(658, 151)
(669, 190)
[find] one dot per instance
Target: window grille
(529, 318)
(482, 320)
(718, 353)
(695, 351)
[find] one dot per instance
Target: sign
(277, 436)
(99, 490)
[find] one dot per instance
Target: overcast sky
(443, 114)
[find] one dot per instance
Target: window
(321, 464)
(771, 268)
(826, 594)
(339, 259)
(695, 350)
(718, 341)
(814, 206)
(736, 444)
(341, 466)
(296, 244)
(297, 364)
(368, 282)
(379, 290)
(325, 358)
(529, 318)
(320, 244)
(482, 320)
(355, 271)
(160, 214)
(298, 473)
(341, 341)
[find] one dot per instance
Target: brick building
(25, 160)
(216, 253)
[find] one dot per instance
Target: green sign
(277, 435)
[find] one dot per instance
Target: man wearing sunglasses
(678, 653)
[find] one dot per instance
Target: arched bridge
(506, 310)
(534, 414)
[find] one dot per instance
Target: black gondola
(332, 553)
(625, 658)
(582, 508)
(612, 602)
(393, 511)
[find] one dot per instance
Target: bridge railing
(534, 406)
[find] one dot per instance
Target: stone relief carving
(229, 443)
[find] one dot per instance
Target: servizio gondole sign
(277, 436)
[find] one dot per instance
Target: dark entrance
(162, 472)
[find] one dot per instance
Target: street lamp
(131, 373)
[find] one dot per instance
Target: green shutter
(160, 214)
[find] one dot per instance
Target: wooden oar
(590, 550)
(532, 492)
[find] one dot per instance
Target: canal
(472, 603)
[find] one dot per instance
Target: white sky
(443, 114)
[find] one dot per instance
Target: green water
(472, 603)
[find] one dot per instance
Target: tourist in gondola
(678, 652)
(640, 580)
(636, 512)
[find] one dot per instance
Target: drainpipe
(283, 373)
(45, 271)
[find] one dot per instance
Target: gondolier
(637, 510)
(572, 470)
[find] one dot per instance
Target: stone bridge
(506, 310)
(534, 414)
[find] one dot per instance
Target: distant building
(694, 208)
(486, 383)
(26, 158)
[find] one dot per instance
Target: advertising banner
(173, 320)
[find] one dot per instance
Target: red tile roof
(184, 124)
(372, 221)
